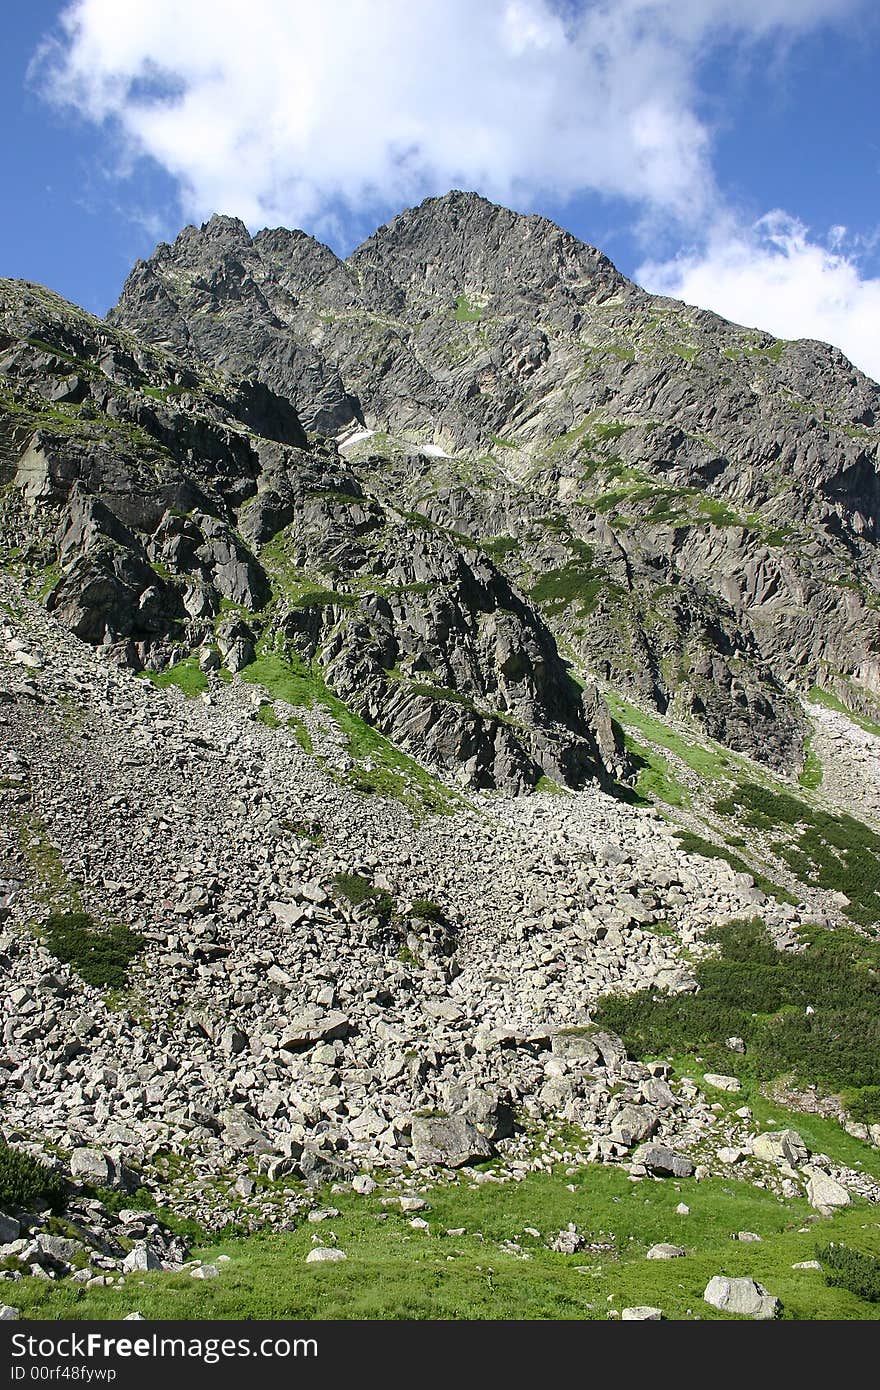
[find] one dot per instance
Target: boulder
(824, 1192)
(90, 1166)
(632, 1124)
(780, 1146)
(722, 1083)
(664, 1162)
(641, 1313)
(141, 1257)
(325, 1254)
(448, 1141)
(666, 1252)
(744, 1297)
(314, 1025)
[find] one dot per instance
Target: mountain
(434, 687)
(692, 506)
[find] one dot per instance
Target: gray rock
(662, 1161)
(780, 1146)
(824, 1193)
(9, 1229)
(448, 1141)
(324, 1255)
(666, 1252)
(8, 1313)
(722, 1083)
(744, 1297)
(141, 1257)
(641, 1313)
(90, 1166)
(633, 1123)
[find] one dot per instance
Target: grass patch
(703, 760)
(756, 992)
(100, 956)
(186, 675)
(266, 715)
(381, 768)
(25, 1183)
(466, 312)
(655, 776)
(811, 773)
(393, 1272)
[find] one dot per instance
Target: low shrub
(100, 956)
(845, 1268)
(358, 891)
(26, 1183)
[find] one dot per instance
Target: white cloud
(774, 275)
(291, 111)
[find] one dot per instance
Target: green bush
(100, 956)
(849, 1269)
(427, 910)
(760, 994)
(27, 1183)
(358, 890)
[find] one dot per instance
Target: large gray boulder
(662, 1161)
(449, 1141)
(780, 1146)
(744, 1297)
(824, 1193)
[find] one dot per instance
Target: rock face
(681, 496)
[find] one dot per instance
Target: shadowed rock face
(431, 466)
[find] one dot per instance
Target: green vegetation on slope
(186, 675)
(380, 768)
(835, 852)
(813, 1014)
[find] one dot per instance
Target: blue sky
(726, 151)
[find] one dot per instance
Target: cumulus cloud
(290, 111)
(775, 275)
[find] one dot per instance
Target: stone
(141, 1257)
(8, 1313)
(641, 1313)
(577, 1044)
(807, 1264)
(665, 1162)
(824, 1193)
(324, 1254)
(744, 1297)
(666, 1252)
(363, 1184)
(448, 1141)
(90, 1166)
(780, 1146)
(315, 1025)
(722, 1083)
(205, 1272)
(9, 1229)
(633, 1123)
